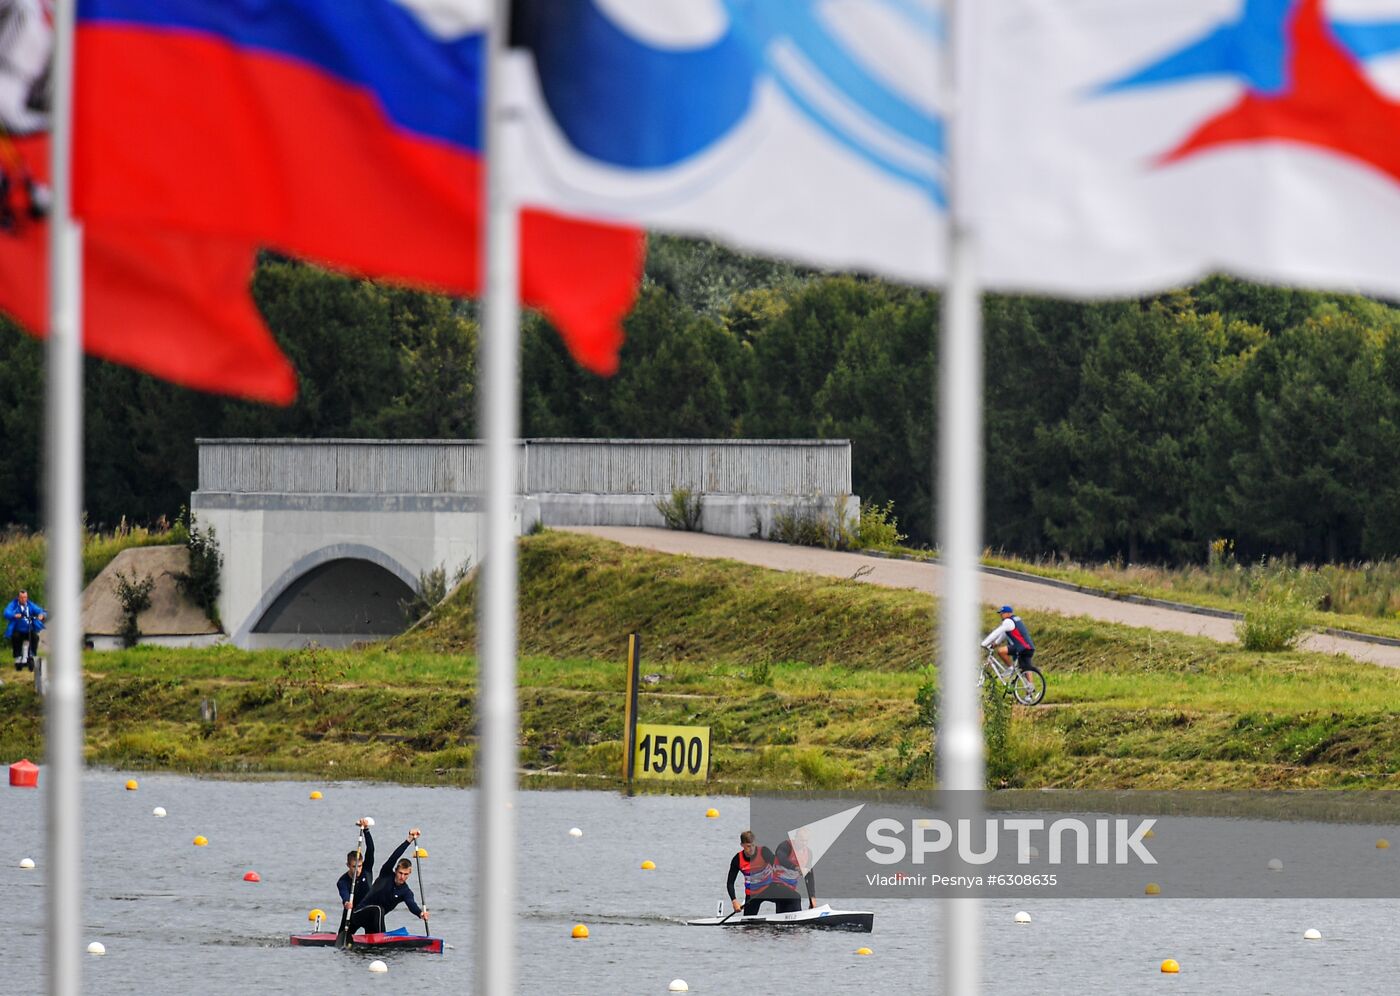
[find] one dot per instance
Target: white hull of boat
(821, 918)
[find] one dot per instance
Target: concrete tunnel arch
(343, 588)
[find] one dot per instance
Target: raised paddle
(422, 896)
(342, 936)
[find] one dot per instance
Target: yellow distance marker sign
(672, 752)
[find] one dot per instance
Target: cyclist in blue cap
(1011, 638)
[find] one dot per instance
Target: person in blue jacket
(24, 622)
(354, 884)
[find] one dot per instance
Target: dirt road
(1026, 595)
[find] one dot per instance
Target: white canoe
(821, 918)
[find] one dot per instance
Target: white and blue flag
(810, 129)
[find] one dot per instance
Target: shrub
(202, 582)
(134, 594)
(996, 730)
(1275, 616)
(879, 530)
(432, 589)
(682, 510)
(816, 524)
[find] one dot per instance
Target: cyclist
(25, 621)
(1011, 638)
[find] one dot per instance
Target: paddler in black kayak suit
(792, 863)
(757, 864)
(388, 890)
(355, 871)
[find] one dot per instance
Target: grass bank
(22, 554)
(804, 681)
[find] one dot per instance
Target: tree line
(1144, 429)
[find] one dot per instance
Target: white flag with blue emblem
(1128, 145)
(809, 129)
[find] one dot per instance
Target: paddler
(353, 895)
(792, 863)
(388, 890)
(756, 863)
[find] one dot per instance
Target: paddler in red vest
(792, 863)
(756, 864)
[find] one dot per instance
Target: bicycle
(1021, 680)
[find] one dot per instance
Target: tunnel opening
(342, 597)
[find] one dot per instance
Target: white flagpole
(497, 718)
(960, 748)
(63, 745)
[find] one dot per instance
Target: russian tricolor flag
(348, 132)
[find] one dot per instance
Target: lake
(178, 919)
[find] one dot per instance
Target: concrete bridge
(325, 540)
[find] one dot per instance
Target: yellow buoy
(201, 841)
(316, 914)
(1170, 967)
(712, 813)
(420, 852)
(315, 794)
(648, 866)
(1149, 833)
(1153, 889)
(131, 785)
(864, 951)
(1382, 843)
(579, 932)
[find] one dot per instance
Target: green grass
(844, 662)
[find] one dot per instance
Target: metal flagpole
(63, 746)
(500, 407)
(960, 748)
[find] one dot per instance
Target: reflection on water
(178, 919)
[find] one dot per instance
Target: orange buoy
(24, 774)
(252, 876)
(579, 932)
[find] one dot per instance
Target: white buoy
(678, 986)
(1275, 864)
(159, 811)
(97, 948)
(1023, 917)
(575, 832)
(1312, 934)
(26, 863)
(378, 966)
(1035, 852)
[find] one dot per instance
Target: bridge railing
(774, 467)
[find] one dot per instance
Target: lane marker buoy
(378, 966)
(315, 794)
(131, 785)
(252, 876)
(575, 832)
(97, 948)
(316, 914)
(1275, 865)
(712, 813)
(579, 932)
(26, 863)
(678, 986)
(1170, 967)
(201, 841)
(1153, 889)
(1312, 934)
(648, 866)
(1023, 917)
(1382, 844)
(864, 951)
(420, 852)
(159, 811)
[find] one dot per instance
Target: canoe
(821, 918)
(397, 940)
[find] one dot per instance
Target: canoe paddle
(422, 896)
(342, 936)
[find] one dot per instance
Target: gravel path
(1027, 596)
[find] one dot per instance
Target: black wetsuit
(382, 897)
(362, 883)
(784, 900)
